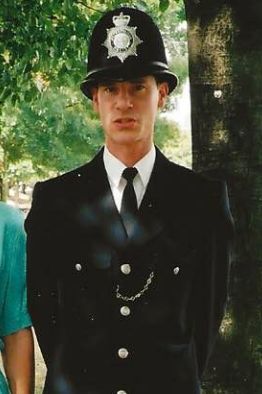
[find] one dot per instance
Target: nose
(124, 100)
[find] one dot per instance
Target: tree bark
(3, 183)
(225, 59)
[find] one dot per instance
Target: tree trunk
(3, 183)
(225, 59)
(1, 177)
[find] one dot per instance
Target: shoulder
(12, 234)
(60, 186)
(61, 180)
(201, 194)
(189, 182)
(67, 181)
(11, 216)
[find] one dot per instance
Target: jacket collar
(101, 209)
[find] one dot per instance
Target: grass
(40, 370)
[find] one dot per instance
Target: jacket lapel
(97, 206)
(151, 219)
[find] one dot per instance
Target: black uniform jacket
(119, 315)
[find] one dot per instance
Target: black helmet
(126, 44)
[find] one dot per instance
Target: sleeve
(211, 285)
(14, 313)
(41, 274)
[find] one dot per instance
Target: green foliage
(20, 172)
(58, 132)
(163, 5)
(42, 38)
(175, 145)
(174, 31)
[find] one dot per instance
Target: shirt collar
(115, 167)
(145, 165)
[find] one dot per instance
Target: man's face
(128, 110)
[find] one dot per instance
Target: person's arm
(42, 284)
(18, 361)
(213, 276)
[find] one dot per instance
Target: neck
(129, 155)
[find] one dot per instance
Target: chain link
(137, 295)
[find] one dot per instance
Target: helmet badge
(121, 40)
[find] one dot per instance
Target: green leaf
(163, 5)
(67, 6)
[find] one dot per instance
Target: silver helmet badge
(121, 40)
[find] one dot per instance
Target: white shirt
(115, 167)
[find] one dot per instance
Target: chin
(125, 136)
(126, 141)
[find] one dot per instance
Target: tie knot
(129, 173)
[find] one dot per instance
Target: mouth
(125, 122)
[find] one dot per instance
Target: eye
(139, 87)
(110, 89)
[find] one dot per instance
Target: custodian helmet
(126, 44)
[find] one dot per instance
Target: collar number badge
(121, 40)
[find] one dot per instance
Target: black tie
(129, 208)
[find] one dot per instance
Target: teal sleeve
(13, 295)
(3, 385)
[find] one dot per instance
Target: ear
(94, 92)
(163, 93)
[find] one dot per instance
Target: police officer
(128, 255)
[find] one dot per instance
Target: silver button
(121, 392)
(78, 267)
(176, 270)
(218, 93)
(125, 310)
(125, 268)
(123, 352)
